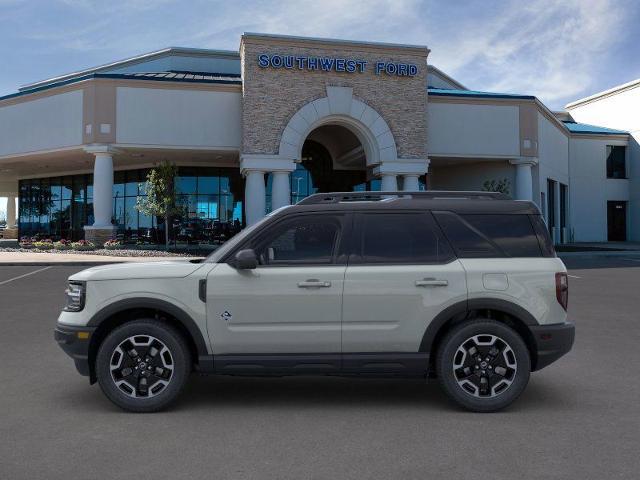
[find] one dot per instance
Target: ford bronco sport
(462, 286)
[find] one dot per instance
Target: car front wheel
(483, 365)
(143, 365)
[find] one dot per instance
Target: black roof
(433, 200)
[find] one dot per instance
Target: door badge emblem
(226, 316)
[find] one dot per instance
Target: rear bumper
(75, 343)
(552, 342)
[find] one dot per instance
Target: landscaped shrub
(112, 244)
(83, 245)
(43, 244)
(25, 242)
(62, 245)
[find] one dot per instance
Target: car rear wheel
(483, 365)
(142, 366)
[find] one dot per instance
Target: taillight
(562, 289)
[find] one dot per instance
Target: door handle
(313, 283)
(431, 282)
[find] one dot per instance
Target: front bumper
(552, 342)
(75, 342)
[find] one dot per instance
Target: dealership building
(284, 117)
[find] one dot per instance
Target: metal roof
(445, 92)
(585, 128)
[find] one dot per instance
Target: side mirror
(245, 260)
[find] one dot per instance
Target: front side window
(616, 167)
(405, 238)
(307, 240)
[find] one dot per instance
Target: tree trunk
(166, 232)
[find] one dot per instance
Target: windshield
(225, 248)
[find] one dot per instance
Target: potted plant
(26, 242)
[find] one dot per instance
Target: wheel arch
(502, 311)
(130, 309)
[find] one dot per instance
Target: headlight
(75, 296)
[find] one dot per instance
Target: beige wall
(272, 96)
(473, 129)
(172, 117)
(45, 123)
(470, 174)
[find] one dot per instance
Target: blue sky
(557, 50)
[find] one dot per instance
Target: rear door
(401, 274)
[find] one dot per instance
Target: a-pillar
(524, 177)
(102, 228)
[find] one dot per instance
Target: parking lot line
(573, 276)
(25, 275)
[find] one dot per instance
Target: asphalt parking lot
(578, 419)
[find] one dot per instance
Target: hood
(129, 271)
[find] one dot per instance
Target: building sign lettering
(333, 64)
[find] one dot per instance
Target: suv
(462, 286)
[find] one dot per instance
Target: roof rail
(338, 197)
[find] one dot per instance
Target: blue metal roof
(575, 127)
(188, 77)
(445, 92)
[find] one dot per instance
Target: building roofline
(448, 78)
(336, 41)
(605, 93)
(445, 92)
(119, 76)
(132, 61)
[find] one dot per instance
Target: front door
(291, 303)
(617, 221)
(402, 273)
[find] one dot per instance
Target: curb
(57, 264)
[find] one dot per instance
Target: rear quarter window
(490, 235)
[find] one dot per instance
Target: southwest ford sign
(333, 64)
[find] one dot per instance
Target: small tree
(501, 186)
(160, 200)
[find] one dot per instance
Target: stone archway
(339, 107)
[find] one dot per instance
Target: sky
(557, 50)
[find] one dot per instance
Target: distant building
(284, 117)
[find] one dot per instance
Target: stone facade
(272, 96)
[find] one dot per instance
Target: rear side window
(546, 244)
(490, 236)
(405, 238)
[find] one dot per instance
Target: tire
(143, 365)
(461, 369)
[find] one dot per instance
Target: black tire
(476, 394)
(174, 367)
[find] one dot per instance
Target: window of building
(409, 238)
(551, 204)
(308, 240)
(616, 163)
(487, 236)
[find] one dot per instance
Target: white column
(103, 190)
(280, 190)
(254, 196)
(411, 183)
(389, 183)
(11, 212)
(524, 178)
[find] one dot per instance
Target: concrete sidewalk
(37, 259)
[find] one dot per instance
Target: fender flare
(155, 304)
(462, 309)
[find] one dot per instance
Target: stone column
(389, 182)
(254, 196)
(11, 211)
(411, 183)
(524, 178)
(102, 228)
(280, 190)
